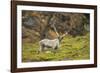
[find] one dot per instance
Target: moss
(71, 48)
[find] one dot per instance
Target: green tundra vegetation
(37, 25)
(70, 49)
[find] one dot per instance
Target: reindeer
(54, 44)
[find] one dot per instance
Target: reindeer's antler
(55, 30)
(53, 25)
(65, 34)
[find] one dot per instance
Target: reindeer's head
(60, 37)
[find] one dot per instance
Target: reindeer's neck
(60, 39)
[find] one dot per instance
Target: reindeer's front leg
(41, 48)
(55, 49)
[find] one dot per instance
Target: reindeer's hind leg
(41, 49)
